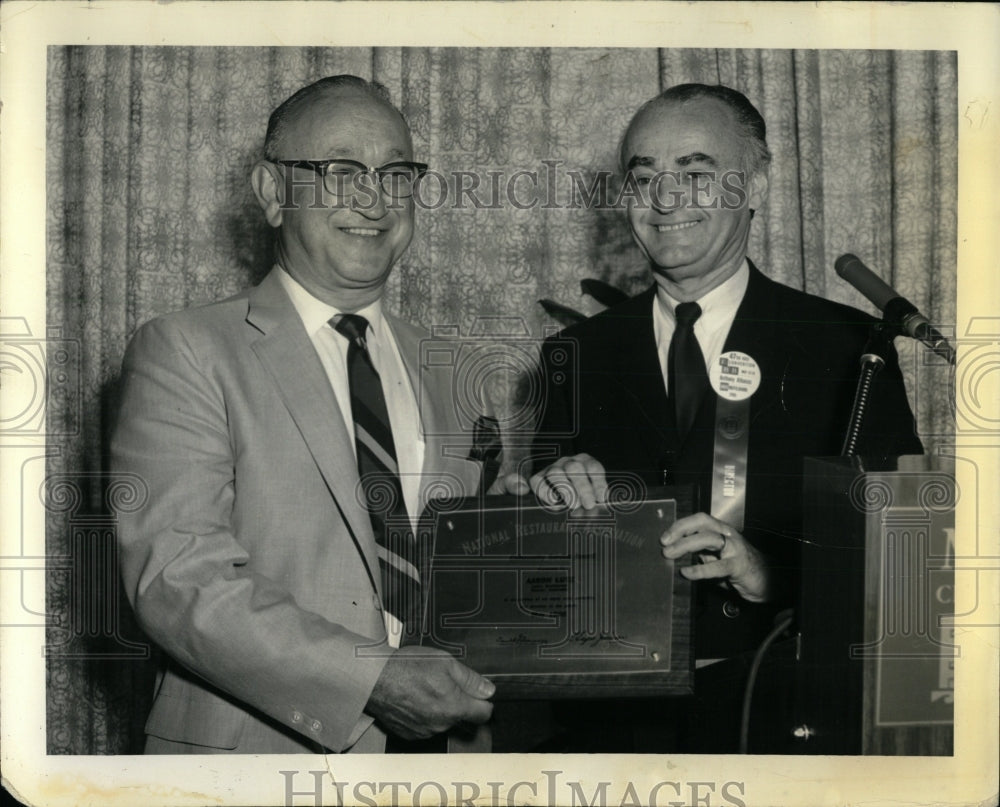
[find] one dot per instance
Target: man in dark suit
(650, 397)
(288, 437)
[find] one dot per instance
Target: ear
(265, 183)
(758, 190)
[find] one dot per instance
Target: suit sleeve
(189, 579)
(556, 426)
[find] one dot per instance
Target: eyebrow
(687, 159)
(695, 157)
(395, 155)
(639, 162)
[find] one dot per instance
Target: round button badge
(735, 376)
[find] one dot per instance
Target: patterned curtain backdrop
(150, 210)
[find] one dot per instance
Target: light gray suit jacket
(253, 563)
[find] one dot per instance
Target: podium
(876, 656)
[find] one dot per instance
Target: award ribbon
(735, 377)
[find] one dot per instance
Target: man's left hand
(729, 556)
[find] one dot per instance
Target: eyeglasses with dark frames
(342, 178)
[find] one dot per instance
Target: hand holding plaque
(556, 603)
(725, 555)
(579, 481)
(572, 482)
(422, 692)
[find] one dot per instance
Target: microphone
(894, 307)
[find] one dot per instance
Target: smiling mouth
(366, 232)
(671, 228)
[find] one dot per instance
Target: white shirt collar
(718, 305)
(315, 314)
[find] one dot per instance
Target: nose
(370, 199)
(667, 193)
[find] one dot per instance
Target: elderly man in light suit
(255, 563)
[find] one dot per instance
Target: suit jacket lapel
(640, 375)
(287, 353)
(755, 332)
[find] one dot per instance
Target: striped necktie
(379, 474)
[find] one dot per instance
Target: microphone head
(843, 264)
(851, 269)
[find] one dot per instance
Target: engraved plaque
(558, 604)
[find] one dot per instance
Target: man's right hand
(573, 482)
(424, 691)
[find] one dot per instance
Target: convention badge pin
(735, 376)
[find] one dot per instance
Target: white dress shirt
(718, 310)
(400, 399)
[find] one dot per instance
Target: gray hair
(756, 155)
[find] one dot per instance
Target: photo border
(28, 28)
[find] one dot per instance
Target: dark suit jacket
(252, 561)
(612, 404)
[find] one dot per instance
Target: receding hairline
(350, 93)
(658, 103)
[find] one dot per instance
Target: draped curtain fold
(149, 210)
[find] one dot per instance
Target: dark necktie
(687, 378)
(486, 447)
(379, 473)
